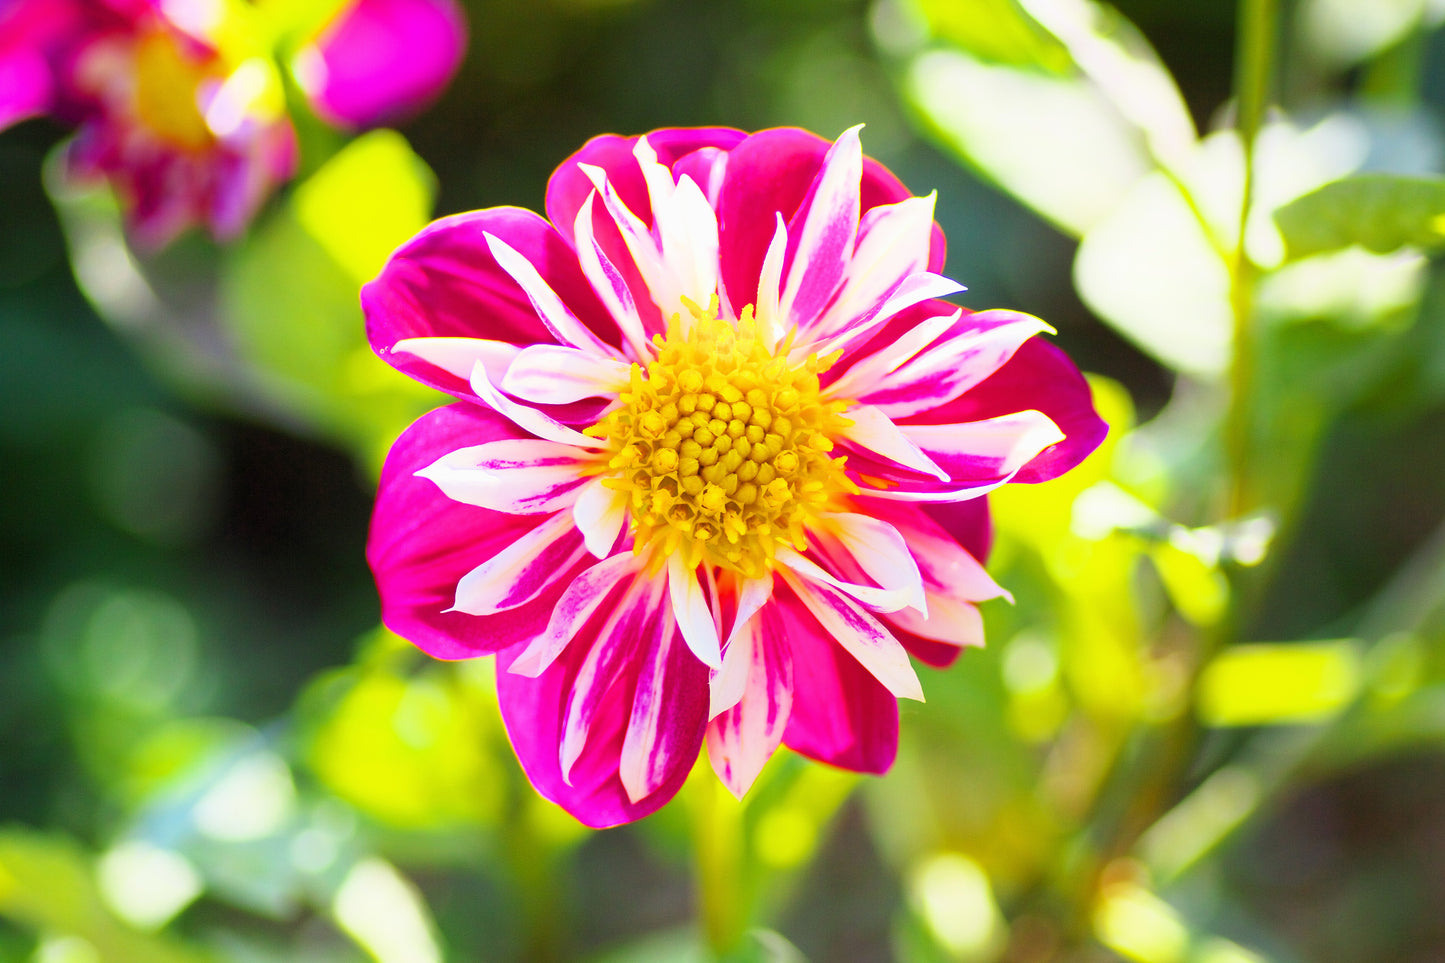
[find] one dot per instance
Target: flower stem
(717, 854)
(1254, 69)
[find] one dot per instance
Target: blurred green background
(1211, 729)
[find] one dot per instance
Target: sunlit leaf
(1379, 212)
(1344, 32)
(368, 198)
(1278, 684)
(48, 884)
(410, 752)
(1198, 590)
(994, 30)
(1054, 142)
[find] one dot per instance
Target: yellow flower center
(166, 92)
(724, 446)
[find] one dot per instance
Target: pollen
(724, 447)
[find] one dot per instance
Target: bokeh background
(1207, 731)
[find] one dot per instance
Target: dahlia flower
(179, 102)
(718, 458)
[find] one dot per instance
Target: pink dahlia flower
(179, 104)
(718, 461)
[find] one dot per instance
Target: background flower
(181, 107)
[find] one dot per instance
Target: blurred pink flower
(718, 463)
(179, 104)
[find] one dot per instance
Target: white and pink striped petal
(519, 476)
(857, 631)
(522, 570)
(742, 738)
(578, 604)
(550, 374)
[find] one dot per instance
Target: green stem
(1254, 62)
(717, 847)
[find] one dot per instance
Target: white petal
(861, 634)
(825, 240)
(551, 374)
(694, 617)
(549, 307)
(581, 600)
(771, 323)
(880, 551)
(600, 513)
(875, 432)
(857, 380)
(893, 243)
(878, 599)
(525, 416)
(608, 282)
(458, 356)
(520, 476)
(518, 573)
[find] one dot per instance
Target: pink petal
(581, 600)
(661, 735)
(982, 452)
(521, 476)
(380, 61)
(877, 549)
(533, 711)
(560, 321)
(445, 282)
(772, 171)
(822, 232)
(840, 715)
(863, 636)
(422, 543)
(569, 188)
(1041, 377)
(741, 739)
(875, 433)
(25, 85)
(975, 347)
(609, 281)
(522, 571)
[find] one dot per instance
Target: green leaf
(290, 294)
(1279, 684)
(48, 884)
(1379, 212)
(996, 30)
(370, 197)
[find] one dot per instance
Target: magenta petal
(1039, 377)
(445, 283)
(841, 715)
(25, 88)
(771, 171)
(569, 187)
(382, 60)
(422, 543)
(534, 711)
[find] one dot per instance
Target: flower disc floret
(723, 446)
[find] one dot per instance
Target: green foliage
(290, 294)
(1379, 212)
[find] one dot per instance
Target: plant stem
(1253, 78)
(717, 853)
